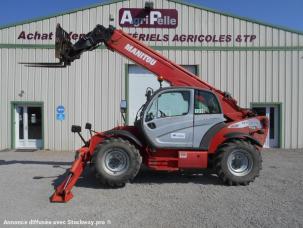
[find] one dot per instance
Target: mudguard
(125, 134)
(240, 130)
(242, 135)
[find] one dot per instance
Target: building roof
(108, 2)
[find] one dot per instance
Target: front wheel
(116, 161)
(238, 162)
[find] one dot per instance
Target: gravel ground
(275, 199)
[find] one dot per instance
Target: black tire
(104, 166)
(226, 166)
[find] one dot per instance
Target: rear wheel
(238, 162)
(116, 161)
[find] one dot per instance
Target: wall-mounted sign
(143, 18)
(195, 38)
(152, 18)
(60, 109)
(182, 38)
(60, 115)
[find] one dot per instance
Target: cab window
(169, 104)
(206, 103)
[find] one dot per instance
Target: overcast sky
(287, 13)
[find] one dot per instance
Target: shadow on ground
(25, 162)
(145, 176)
(88, 180)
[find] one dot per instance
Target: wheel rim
(116, 161)
(240, 163)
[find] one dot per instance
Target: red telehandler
(188, 126)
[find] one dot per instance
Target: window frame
(214, 95)
(170, 91)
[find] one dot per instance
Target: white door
(28, 126)
(139, 80)
(272, 113)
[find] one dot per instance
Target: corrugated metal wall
(93, 86)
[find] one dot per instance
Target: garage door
(139, 80)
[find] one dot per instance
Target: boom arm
(119, 41)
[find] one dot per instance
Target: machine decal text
(140, 54)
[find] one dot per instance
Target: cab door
(207, 114)
(168, 119)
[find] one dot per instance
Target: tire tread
(219, 159)
(126, 178)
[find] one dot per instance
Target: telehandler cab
(188, 126)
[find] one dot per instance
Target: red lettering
(30, 36)
(201, 38)
(153, 37)
(215, 38)
(228, 38)
(190, 38)
(176, 38)
(147, 37)
(21, 35)
(252, 38)
(75, 36)
(183, 38)
(44, 36)
(158, 38)
(221, 38)
(37, 36)
(166, 37)
(246, 37)
(208, 38)
(50, 36)
(142, 37)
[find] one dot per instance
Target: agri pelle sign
(142, 18)
(152, 18)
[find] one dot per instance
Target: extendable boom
(119, 41)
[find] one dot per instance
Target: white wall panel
(249, 77)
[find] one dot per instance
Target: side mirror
(123, 106)
(76, 129)
(88, 126)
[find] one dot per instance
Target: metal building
(261, 65)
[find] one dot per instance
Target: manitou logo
(160, 18)
(140, 54)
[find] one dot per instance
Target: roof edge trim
(108, 2)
